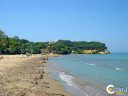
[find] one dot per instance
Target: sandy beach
(21, 76)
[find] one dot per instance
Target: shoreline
(27, 77)
(75, 84)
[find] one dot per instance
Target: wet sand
(27, 77)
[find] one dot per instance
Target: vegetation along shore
(9, 45)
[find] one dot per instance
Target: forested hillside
(15, 45)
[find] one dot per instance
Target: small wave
(118, 69)
(92, 64)
(67, 78)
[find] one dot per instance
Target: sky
(77, 20)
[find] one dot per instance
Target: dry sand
(27, 77)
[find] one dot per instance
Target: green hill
(15, 45)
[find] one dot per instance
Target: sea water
(89, 75)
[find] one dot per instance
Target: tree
(17, 46)
(1, 34)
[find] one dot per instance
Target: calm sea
(89, 75)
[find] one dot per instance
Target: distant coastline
(15, 45)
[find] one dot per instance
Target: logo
(111, 89)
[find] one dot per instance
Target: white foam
(67, 78)
(92, 64)
(118, 69)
